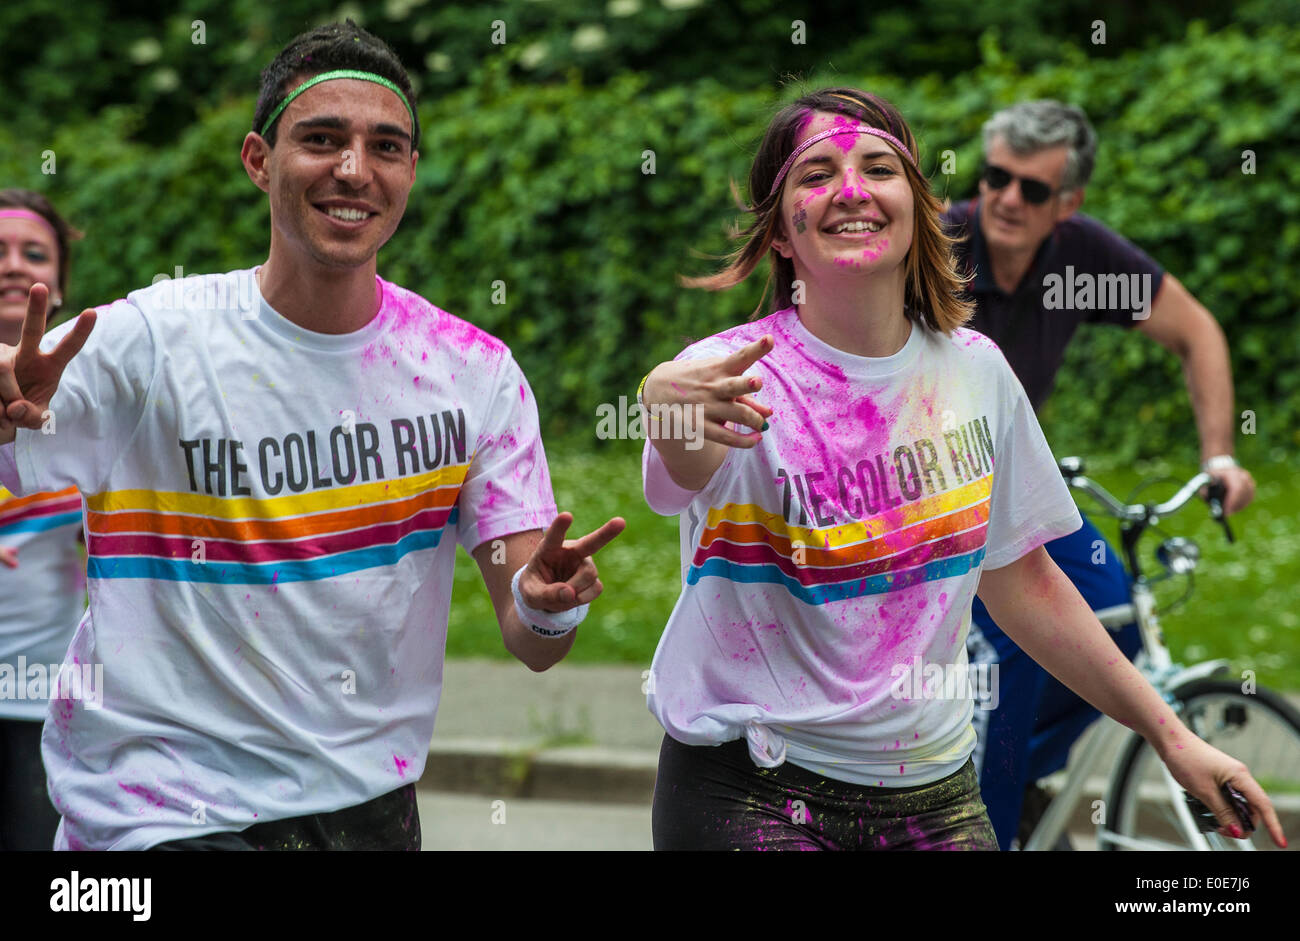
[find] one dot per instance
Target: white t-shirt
(41, 601)
(828, 572)
(272, 520)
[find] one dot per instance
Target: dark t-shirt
(1083, 273)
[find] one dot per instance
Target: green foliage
(96, 54)
(541, 187)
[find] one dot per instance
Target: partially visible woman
(42, 572)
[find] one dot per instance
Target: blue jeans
(1037, 720)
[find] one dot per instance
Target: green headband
(338, 73)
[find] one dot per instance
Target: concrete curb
(527, 769)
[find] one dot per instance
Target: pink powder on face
(847, 138)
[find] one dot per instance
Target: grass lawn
(1245, 604)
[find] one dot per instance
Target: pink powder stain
(62, 709)
(143, 792)
(846, 136)
(401, 764)
(414, 325)
(900, 769)
(805, 122)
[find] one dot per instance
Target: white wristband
(545, 623)
(1219, 462)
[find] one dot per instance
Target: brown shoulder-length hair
(64, 233)
(934, 287)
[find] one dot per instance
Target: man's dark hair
(324, 49)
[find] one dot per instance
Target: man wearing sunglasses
(1027, 247)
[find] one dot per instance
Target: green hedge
(70, 61)
(541, 187)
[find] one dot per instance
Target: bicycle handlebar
(1072, 470)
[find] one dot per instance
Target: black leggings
(390, 822)
(715, 798)
(27, 818)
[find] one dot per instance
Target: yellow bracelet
(640, 390)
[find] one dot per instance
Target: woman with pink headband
(42, 572)
(867, 466)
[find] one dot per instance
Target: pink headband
(28, 214)
(834, 132)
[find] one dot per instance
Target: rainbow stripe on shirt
(38, 512)
(193, 537)
(941, 536)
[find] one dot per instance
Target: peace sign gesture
(716, 392)
(561, 575)
(28, 377)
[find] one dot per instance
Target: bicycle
(1144, 808)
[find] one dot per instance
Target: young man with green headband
(275, 488)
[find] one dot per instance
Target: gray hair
(1036, 125)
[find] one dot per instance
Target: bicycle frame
(1156, 665)
(1110, 735)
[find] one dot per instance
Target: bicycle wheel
(1261, 729)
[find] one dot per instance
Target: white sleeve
(508, 486)
(1030, 503)
(97, 407)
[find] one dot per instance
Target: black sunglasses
(1035, 192)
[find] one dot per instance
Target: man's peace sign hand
(561, 575)
(28, 377)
